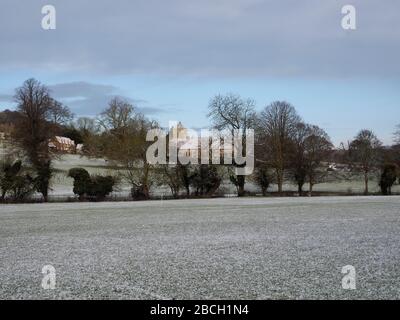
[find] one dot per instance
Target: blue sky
(169, 58)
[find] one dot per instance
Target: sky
(170, 57)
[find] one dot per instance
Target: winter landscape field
(251, 248)
(62, 185)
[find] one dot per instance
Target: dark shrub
(206, 180)
(9, 172)
(95, 187)
(22, 188)
(82, 181)
(388, 178)
(262, 179)
(100, 187)
(42, 179)
(73, 134)
(140, 193)
(14, 182)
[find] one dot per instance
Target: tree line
(286, 149)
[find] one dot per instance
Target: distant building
(191, 145)
(62, 144)
(79, 147)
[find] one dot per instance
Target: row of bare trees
(283, 141)
(121, 138)
(293, 149)
(285, 146)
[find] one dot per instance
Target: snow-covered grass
(62, 185)
(68, 161)
(251, 248)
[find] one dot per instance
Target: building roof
(64, 140)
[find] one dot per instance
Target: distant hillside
(8, 117)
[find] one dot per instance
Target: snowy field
(251, 248)
(61, 185)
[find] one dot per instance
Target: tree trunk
(145, 182)
(146, 191)
(264, 191)
(311, 189)
(240, 182)
(279, 178)
(366, 183)
(188, 191)
(174, 191)
(300, 189)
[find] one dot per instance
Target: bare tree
(171, 176)
(32, 132)
(59, 113)
(317, 146)
(86, 126)
(124, 140)
(262, 178)
(117, 116)
(298, 166)
(139, 171)
(277, 126)
(231, 112)
(86, 131)
(364, 153)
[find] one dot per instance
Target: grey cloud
(82, 97)
(94, 105)
(208, 37)
(89, 99)
(81, 89)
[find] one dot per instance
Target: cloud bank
(208, 38)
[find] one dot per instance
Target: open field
(62, 185)
(248, 248)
